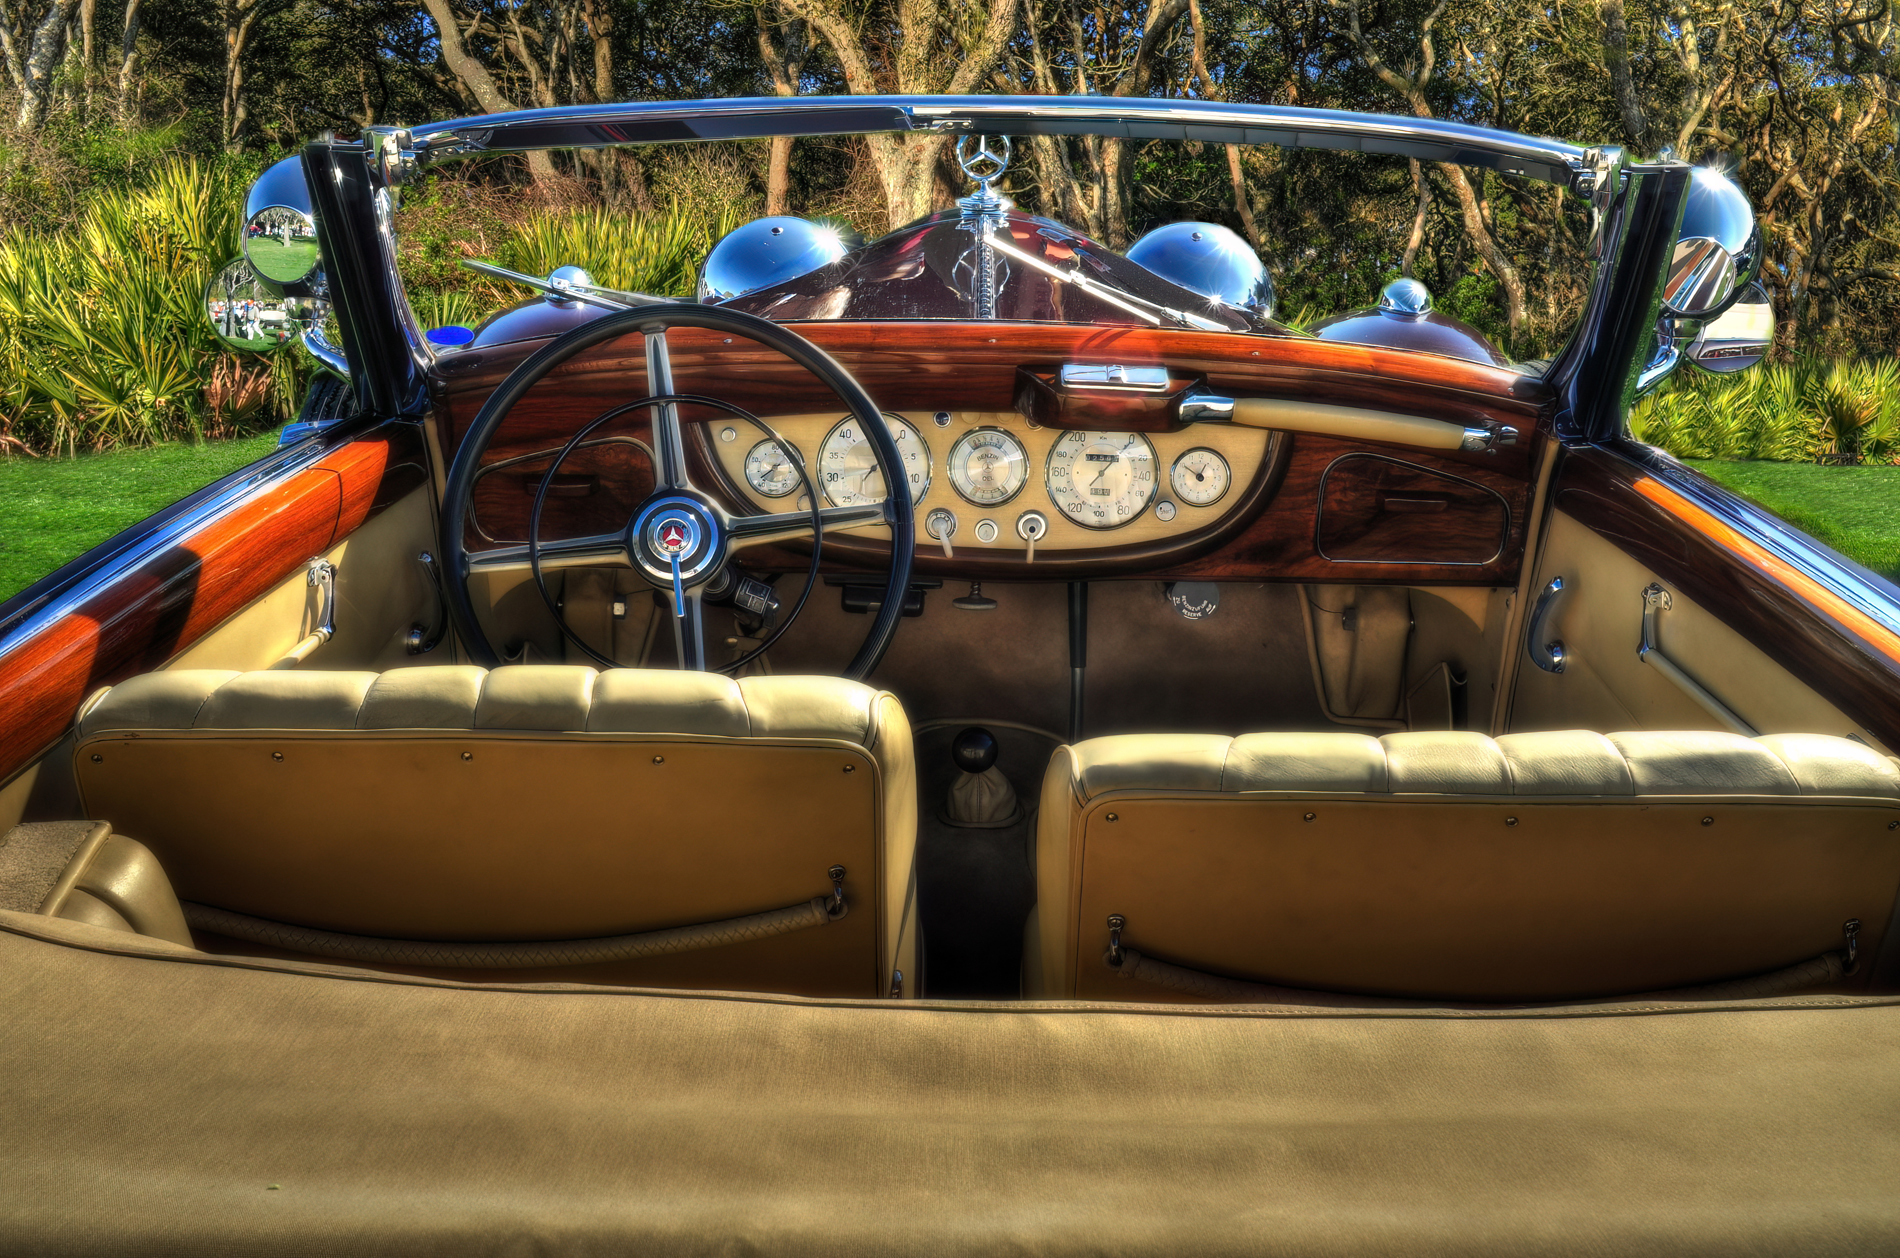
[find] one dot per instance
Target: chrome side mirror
(1718, 249)
(1739, 337)
(1211, 260)
(280, 230)
(245, 314)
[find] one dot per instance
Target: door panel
(1770, 640)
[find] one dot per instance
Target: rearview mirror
(280, 230)
(1718, 249)
(245, 314)
(1739, 337)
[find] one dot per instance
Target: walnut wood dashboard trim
(1848, 657)
(159, 607)
(973, 367)
(966, 366)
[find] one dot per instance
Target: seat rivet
(99, 759)
(851, 768)
(468, 755)
(1510, 821)
(1708, 821)
(1312, 816)
(1114, 816)
(1891, 825)
(659, 760)
(276, 755)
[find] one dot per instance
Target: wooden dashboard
(1300, 507)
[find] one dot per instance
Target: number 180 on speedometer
(1101, 480)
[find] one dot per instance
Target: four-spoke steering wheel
(680, 538)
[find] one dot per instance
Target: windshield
(1498, 262)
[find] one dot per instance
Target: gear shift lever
(982, 797)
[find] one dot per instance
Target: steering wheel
(679, 538)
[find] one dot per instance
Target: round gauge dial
(1101, 480)
(769, 470)
(987, 466)
(1200, 477)
(847, 467)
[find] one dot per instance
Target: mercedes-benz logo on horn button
(673, 536)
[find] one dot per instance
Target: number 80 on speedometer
(1101, 480)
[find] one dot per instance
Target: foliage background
(129, 127)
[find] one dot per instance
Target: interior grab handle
(1656, 600)
(1547, 654)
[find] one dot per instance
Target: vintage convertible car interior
(1330, 775)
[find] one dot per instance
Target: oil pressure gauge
(987, 467)
(1200, 477)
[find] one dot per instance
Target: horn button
(675, 528)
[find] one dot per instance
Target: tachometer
(769, 470)
(1200, 477)
(848, 469)
(1101, 480)
(987, 466)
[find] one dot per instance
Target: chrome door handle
(1547, 655)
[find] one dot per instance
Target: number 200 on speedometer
(1101, 480)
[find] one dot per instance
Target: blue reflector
(454, 334)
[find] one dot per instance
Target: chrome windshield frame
(746, 118)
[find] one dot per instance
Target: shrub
(103, 337)
(1842, 411)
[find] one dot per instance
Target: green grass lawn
(279, 261)
(54, 510)
(1856, 510)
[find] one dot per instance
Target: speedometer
(847, 467)
(987, 466)
(1101, 480)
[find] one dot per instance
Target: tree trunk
(1616, 59)
(1417, 237)
(128, 66)
(42, 60)
(783, 64)
(478, 82)
(906, 165)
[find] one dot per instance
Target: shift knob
(974, 749)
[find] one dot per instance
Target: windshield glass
(1498, 262)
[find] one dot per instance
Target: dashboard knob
(974, 749)
(941, 524)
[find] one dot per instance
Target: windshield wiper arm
(592, 294)
(1153, 312)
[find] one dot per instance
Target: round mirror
(1717, 250)
(246, 314)
(281, 243)
(1739, 337)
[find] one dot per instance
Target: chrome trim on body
(1862, 588)
(651, 122)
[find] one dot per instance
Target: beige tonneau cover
(155, 1100)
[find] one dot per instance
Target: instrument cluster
(997, 481)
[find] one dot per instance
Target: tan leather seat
(1456, 866)
(532, 802)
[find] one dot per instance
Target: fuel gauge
(988, 466)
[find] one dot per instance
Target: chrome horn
(1211, 260)
(768, 251)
